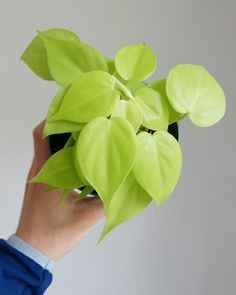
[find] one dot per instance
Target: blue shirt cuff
(33, 253)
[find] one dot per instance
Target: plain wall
(187, 247)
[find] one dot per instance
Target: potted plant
(115, 133)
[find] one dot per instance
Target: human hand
(51, 229)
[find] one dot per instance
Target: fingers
(41, 147)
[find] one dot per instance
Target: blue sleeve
(19, 274)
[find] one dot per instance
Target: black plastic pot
(57, 141)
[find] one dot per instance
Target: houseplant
(115, 122)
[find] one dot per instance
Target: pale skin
(51, 229)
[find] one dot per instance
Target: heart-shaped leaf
(135, 62)
(107, 165)
(158, 164)
(91, 95)
(35, 55)
(154, 107)
(129, 200)
(160, 86)
(61, 126)
(129, 111)
(67, 59)
(192, 90)
(58, 171)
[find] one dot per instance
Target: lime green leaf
(129, 200)
(49, 188)
(91, 95)
(154, 107)
(58, 171)
(70, 142)
(87, 190)
(63, 196)
(124, 91)
(107, 165)
(77, 167)
(133, 86)
(78, 170)
(67, 59)
(110, 65)
(62, 126)
(135, 62)
(129, 111)
(35, 55)
(160, 86)
(158, 164)
(61, 34)
(192, 90)
(76, 134)
(56, 102)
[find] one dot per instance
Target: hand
(51, 229)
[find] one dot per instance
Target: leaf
(91, 95)
(129, 111)
(154, 107)
(58, 171)
(129, 200)
(67, 60)
(75, 135)
(61, 34)
(70, 142)
(110, 65)
(62, 126)
(49, 188)
(130, 85)
(135, 62)
(192, 90)
(35, 55)
(158, 164)
(160, 86)
(56, 102)
(124, 91)
(63, 196)
(87, 190)
(133, 86)
(105, 152)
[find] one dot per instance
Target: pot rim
(79, 191)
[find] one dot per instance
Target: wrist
(41, 242)
(28, 250)
(46, 242)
